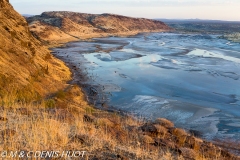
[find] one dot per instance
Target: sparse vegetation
(78, 126)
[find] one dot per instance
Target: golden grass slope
(27, 69)
(71, 124)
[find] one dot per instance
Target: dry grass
(37, 127)
(71, 124)
(161, 130)
(164, 122)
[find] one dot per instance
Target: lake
(190, 79)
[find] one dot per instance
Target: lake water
(190, 79)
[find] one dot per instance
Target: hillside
(27, 69)
(62, 26)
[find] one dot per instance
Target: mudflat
(190, 79)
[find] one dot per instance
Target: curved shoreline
(63, 42)
(78, 74)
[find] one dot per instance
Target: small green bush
(50, 103)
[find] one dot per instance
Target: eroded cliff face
(27, 69)
(64, 26)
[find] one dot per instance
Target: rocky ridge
(62, 26)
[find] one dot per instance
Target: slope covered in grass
(27, 69)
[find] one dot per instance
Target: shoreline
(77, 72)
(61, 43)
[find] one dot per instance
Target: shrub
(164, 122)
(161, 130)
(50, 103)
(147, 139)
(178, 132)
(61, 94)
(181, 136)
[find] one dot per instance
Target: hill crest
(64, 26)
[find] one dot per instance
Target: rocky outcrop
(66, 26)
(27, 69)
